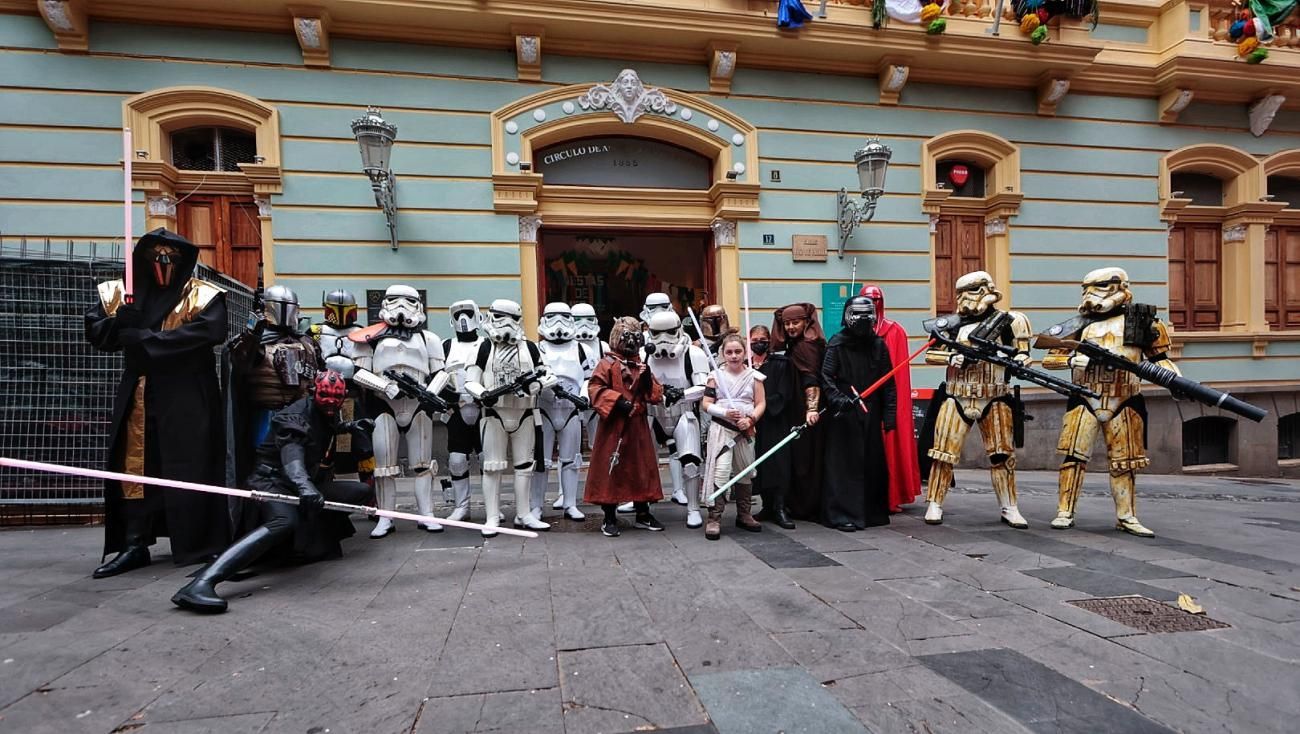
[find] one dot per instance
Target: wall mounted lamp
(375, 137)
(872, 162)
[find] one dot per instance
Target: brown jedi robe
(634, 477)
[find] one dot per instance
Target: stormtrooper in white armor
(586, 328)
(683, 370)
(505, 378)
(400, 344)
(462, 420)
(655, 303)
(562, 407)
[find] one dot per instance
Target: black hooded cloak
(172, 351)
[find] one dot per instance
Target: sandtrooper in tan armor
(977, 392)
(1109, 318)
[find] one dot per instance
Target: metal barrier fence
(56, 391)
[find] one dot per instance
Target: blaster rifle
(1178, 386)
(490, 396)
(578, 401)
(411, 388)
(997, 356)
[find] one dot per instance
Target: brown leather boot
(713, 526)
(744, 494)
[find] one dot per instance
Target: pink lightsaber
(248, 494)
(128, 243)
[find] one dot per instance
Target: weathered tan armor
(1115, 415)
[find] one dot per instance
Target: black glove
(487, 402)
(309, 498)
(129, 316)
(361, 425)
(624, 405)
(673, 394)
(839, 402)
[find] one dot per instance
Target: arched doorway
(657, 177)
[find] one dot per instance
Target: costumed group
(300, 408)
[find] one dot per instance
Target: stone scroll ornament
(627, 98)
(1034, 14)
(928, 13)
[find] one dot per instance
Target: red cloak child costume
(900, 444)
(624, 465)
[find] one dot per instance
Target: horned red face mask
(329, 392)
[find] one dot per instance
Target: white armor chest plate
(1115, 386)
(334, 341)
(670, 371)
(1109, 333)
(975, 378)
(459, 356)
(595, 349)
(496, 374)
(409, 356)
(563, 362)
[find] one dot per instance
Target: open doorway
(613, 270)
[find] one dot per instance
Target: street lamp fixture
(375, 137)
(872, 161)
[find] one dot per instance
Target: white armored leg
(687, 436)
(570, 450)
(419, 452)
(495, 462)
(385, 441)
(458, 467)
(521, 453)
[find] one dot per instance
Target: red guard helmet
(329, 391)
(877, 296)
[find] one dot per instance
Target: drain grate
(1148, 615)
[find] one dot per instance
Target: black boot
(136, 553)
(778, 512)
(200, 595)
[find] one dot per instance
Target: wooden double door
(227, 232)
(958, 249)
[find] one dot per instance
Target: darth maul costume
(167, 418)
(295, 460)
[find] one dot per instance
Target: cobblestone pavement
(966, 627)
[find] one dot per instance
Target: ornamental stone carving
(529, 49)
(161, 206)
(1263, 112)
(724, 232)
(56, 14)
(528, 226)
(1235, 233)
(308, 31)
(263, 205)
(627, 97)
(994, 227)
(726, 64)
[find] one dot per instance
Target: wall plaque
(809, 248)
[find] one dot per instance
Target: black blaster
(1178, 386)
(983, 348)
(411, 388)
(517, 386)
(578, 401)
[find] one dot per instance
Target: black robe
(784, 410)
(856, 481)
(183, 418)
(804, 501)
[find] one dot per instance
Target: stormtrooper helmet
(464, 319)
(503, 321)
(666, 335)
(281, 307)
(585, 324)
(1105, 290)
(976, 293)
(557, 323)
(655, 303)
(340, 308)
(402, 307)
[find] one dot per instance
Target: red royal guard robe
(900, 445)
(635, 476)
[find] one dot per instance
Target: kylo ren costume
(294, 459)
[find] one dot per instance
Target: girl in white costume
(735, 401)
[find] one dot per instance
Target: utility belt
(1108, 382)
(978, 389)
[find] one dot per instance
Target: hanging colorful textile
(1034, 14)
(791, 14)
(927, 13)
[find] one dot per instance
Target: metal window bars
(56, 391)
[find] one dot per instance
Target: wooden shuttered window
(958, 249)
(1282, 277)
(227, 232)
(1195, 277)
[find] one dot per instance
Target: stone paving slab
(450, 632)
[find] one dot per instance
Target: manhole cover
(1148, 615)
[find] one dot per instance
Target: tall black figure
(167, 418)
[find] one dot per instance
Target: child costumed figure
(735, 400)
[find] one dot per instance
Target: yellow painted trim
(1282, 163)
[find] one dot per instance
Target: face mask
(758, 347)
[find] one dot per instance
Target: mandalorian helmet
(586, 325)
(1105, 290)
(281, 307)
(976, 293)
(654, 303)
(402, 307)
(666, 335)
(625, 337)
(503, 322)
(464, 319)
(340, 308)
(714, 322)
(859, 316)
(557, 323)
